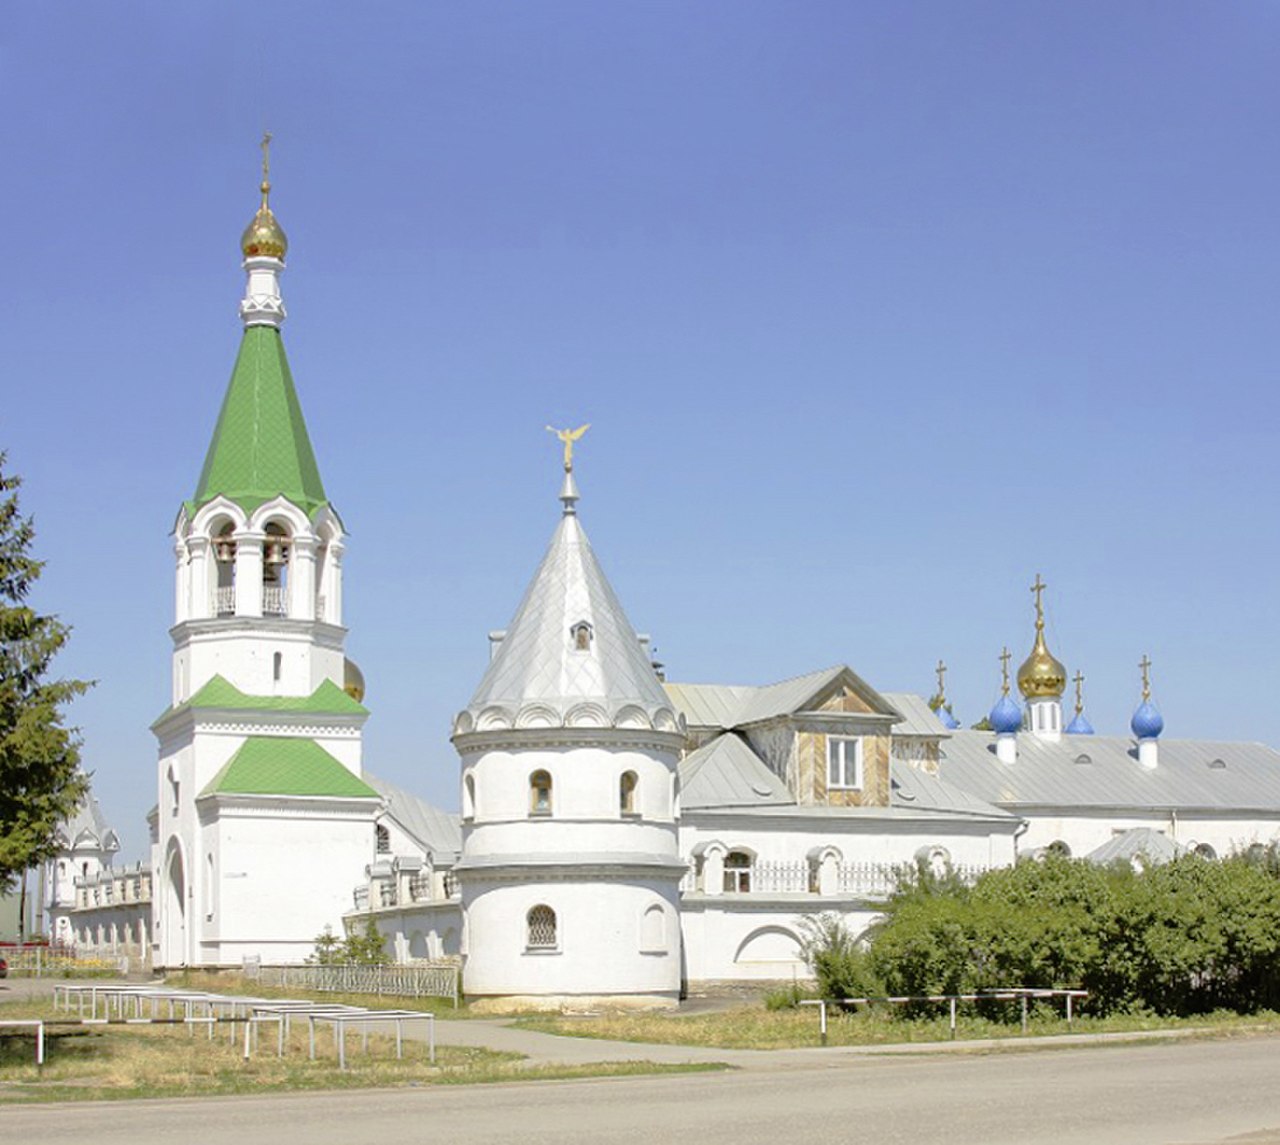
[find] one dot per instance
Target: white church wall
(618, 940)
(282, 873)
(1085, 832)
(737, 940)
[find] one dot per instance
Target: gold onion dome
(264, 236)
(1042, 675)
(353, 680)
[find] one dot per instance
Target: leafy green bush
(1189, 937)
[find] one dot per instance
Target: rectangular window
(844, 763)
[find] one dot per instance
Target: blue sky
(876, 311)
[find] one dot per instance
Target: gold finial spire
(1145, 665)
(1078, 678)
(266, 166)
(1005, 657)
(1042, 675)
(1038, 588)
(569, 436)
(264, 237)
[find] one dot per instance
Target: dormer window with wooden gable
(844, 764)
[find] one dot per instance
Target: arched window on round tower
(627, 793)
(542, 932)
(275, 571)
(224, 559)
(580, 634)
(469, 796)
(540, 793)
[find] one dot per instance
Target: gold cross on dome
(1038, 588)
(941, 671)
(1005, 657)
(1145, 665)
(1079, 681)
(266, 165)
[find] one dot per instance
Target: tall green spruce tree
(41, 783)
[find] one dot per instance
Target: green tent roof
(218, 692)
(260, 447)
(280, 765)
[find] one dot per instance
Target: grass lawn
(113, 1062)
(755, 1028)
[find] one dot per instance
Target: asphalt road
(1173, 1093)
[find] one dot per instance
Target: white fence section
(412, 980)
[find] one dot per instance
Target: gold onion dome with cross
(1042, 675)
(264, 237)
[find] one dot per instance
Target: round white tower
(570, 869)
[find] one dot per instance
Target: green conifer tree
(41, 783)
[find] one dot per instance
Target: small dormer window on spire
(581, 634)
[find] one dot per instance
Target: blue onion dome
(1005, 717)
(1147, 722)
(1079, 726)
(948, 720)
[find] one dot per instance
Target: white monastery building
(622, 838)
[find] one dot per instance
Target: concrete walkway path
(554, 1049)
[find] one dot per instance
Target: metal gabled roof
(735, 705)
(1103, 772)
(438, 832)
(918, 719)
(727, 773)
(1136, 843)
(912, 787)
(708, 705)
(538, 676)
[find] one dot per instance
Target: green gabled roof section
(280, 765)
(260, 448)
(219, 692)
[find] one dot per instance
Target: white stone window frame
(844, 773)
(541, 935)
(540, 807)
(738, 876)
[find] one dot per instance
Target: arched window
(275, 571)
(277, 666)
(1058, 848)
(540, 793)
(541, 922)
(469, 796)
(653, 930)
(381, 839)
(737, 872)
(224, 558)
(580, 634)
(1204, 851)
(627, 793)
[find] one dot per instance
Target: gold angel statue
(569, 436)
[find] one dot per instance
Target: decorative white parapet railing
(274, 600)
(224, 600)
(783, 876)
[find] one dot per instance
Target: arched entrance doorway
(175, 908)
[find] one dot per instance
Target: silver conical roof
(546, 673)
